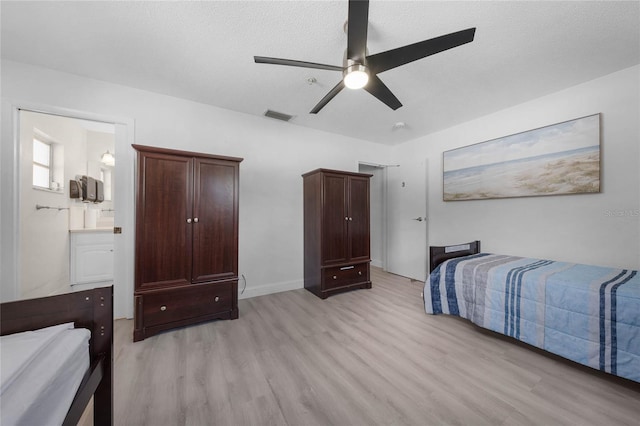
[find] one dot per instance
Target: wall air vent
(278, 115)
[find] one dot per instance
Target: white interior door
(407, 220)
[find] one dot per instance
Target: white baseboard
(377, 263)
(269, 288)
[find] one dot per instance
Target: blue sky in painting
(566, 136)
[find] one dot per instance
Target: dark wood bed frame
(90, 309)
(438, 254)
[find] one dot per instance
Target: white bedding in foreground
(40, 374)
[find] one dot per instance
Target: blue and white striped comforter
(588, 314)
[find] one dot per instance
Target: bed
(52, 346)
(587, 314)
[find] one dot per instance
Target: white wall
(601, 229)
(275, 153)
(582, 228)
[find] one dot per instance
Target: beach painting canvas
(563, 158)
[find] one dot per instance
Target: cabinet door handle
(350, 219)
(216, 299)
(189, 220)
(163, 308)
(359, 272)
(195, 219)
(335, 278)
(346, 218)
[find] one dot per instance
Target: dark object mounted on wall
(87, 189)
(99, 191)
(75, 189)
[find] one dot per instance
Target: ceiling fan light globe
(356, 76)
(356, 79)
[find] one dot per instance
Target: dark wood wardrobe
(186, 268)
(336, 231)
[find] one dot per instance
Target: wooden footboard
(90, 309)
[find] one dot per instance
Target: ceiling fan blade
(290, 62)
(357, 24)
(378, 89)
(403, 55)
(328, 97)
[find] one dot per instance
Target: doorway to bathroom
(66, 211)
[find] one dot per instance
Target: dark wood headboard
(438, 254)
(90, 309)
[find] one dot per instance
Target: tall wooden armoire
(336, 231)
(186, 239)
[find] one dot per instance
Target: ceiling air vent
(278, 115)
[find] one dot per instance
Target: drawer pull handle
(346, 267)
(216, 299)
(163, 308)
(335, 278)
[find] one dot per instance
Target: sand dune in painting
(573, 172)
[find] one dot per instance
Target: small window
(48, 163)
(41, 164)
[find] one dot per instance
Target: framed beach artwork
(563, 158)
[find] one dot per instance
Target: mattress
(588, 314)
(40, 374)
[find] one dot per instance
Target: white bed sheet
(19, 349)
(42, 392)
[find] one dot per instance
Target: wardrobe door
(358, 218)
(335, 219)
(215, 223)
(164, 212)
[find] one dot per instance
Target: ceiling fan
(361, 70)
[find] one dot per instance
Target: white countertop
(105, 229)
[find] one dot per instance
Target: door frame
(424, 176)
(383, 203)
(10, 201)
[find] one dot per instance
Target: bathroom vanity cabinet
(91, 258)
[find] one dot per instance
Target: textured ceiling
(204, 51)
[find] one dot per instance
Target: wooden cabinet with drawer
(166, 309)
(345, 276)
(186, 239)
(336, 231)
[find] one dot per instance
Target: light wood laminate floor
(365, 357)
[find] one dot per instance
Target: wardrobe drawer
(345, 275)
(187, 302)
